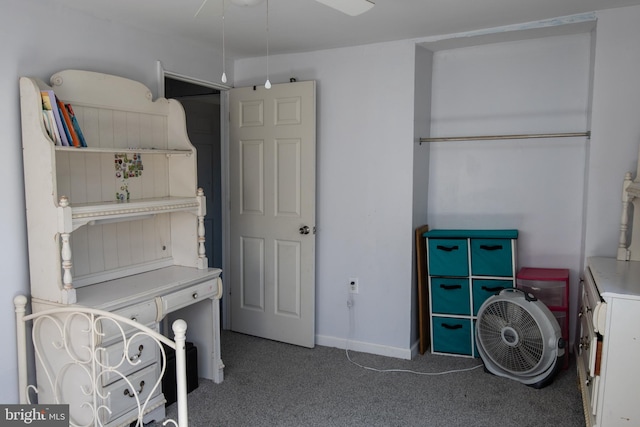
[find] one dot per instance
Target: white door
(272, 149)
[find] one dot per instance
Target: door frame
(224, 161)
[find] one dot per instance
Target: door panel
(252, 278)
(288, 278)
(272, 212)
(288, 177)
(252, 176)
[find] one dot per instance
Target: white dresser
(119, 226)
(609, 344)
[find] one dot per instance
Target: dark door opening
(202, 110)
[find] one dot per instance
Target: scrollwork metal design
(84, 357)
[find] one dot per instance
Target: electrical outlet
(353, 285)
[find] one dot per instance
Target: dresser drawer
(142, 351)
(587, 385)
(594, 306)
(491, 257)
(588, 348)
(588, 359)
(448, 257)
(195, 293)
(450, 295)
(451, 335)
(483, 289)
(120, 395)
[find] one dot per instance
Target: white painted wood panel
(87, 177)
(272, 219)
(252, 177)
(252, 287)
(96, 250)
(93, 168)
(80, 244)
(287, 159)
(288, 285)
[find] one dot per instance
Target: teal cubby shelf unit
(465, 267)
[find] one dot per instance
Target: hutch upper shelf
(130, 198)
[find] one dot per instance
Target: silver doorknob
(305, 229)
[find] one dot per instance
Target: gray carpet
(273, 384)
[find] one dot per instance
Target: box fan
(519, 338)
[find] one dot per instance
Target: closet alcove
(533, 81)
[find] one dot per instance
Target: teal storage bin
(448, 257)
(465, 267)
(491, 257)
(452, 335)
(483, 289)
(450, 295)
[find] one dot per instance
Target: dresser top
(616, 278)
(477, 234)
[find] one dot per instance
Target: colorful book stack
(60, 121)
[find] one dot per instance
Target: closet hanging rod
(497, 137)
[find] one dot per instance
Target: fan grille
(510, 336)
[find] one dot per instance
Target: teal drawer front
(448, 257)
(483, 289)
(491, 257)
(450, 295)
(451, 335)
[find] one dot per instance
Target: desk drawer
(144, 313)
(142, 351)
(120, 396)
(195, 293)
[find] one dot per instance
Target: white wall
(40, 38)
(615, 132)
(536, 185)
(364, 187)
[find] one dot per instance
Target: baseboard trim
(365, 347)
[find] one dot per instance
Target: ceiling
(306, 25)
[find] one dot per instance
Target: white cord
(408, 371)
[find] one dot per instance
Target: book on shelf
(75, 141)
(76, 125)
(49, 104)
(50, 126)
(60, 121)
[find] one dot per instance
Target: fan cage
(511, 337)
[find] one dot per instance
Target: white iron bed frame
(89, 356)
